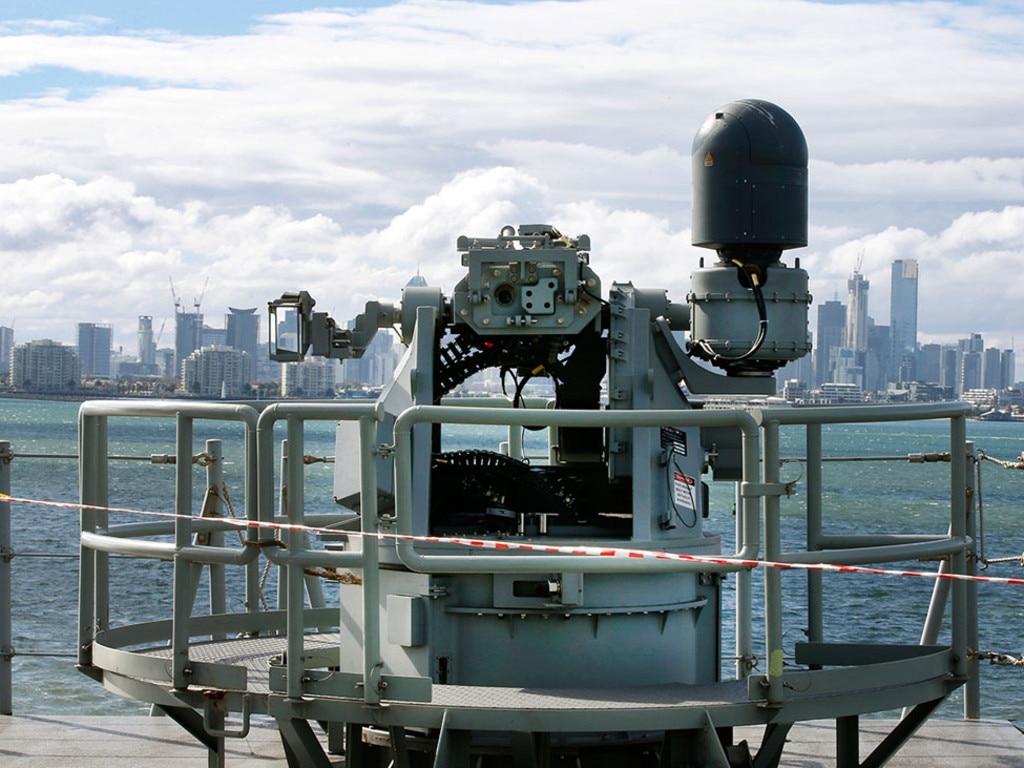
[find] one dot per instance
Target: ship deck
(35, 741)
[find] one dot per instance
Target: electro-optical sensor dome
(749, 173)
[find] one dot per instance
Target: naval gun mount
(629, 448)
(470, 630)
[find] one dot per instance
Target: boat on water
(514, 607)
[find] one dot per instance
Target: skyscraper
(903, 316)
(6, 345)
(243, 330)
(1009, 366)
(857, 312)
(188, 336)
(147, 346)
(94, 342)
(969, 352)
(829, 336)
(992, 369)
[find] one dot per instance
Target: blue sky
(273, 146)
(192, 17)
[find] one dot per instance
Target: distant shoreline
(81, 397)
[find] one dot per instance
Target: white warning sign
(683, 492)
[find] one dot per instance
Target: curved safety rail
(200, 668)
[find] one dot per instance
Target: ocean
(862, 497)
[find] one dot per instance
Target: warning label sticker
(682, 492)
(674, 439)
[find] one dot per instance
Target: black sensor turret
(749, 166)
(749, 311)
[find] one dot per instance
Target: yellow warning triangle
(708, 160)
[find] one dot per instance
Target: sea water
(886, 496)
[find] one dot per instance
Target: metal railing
(9, 553)
(852, 549)
(6, 555)
(758, 531)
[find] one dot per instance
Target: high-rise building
(801, 369)
(929, 366)
(992, 369)
(94, 342)
(310, 378)
(188, 336)
(903, 317)
(846, 368)
(1009, 366)
(217, 371)
(243, 330)
(147, 345)
(831, 325)
(377, 364)
(949, 368)
(6, 345)
(45, 366)
(969, 354)
(857, 313)
(213, 337)
(877, 359)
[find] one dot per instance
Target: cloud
(342, 150)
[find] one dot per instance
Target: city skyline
(850, 350)
(268, 147)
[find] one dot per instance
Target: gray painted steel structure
(174, 664)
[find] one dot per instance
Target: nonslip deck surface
(255, 653)
(36, 741)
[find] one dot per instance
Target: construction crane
(174, 295)
(199, 299)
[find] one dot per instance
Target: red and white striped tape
(585, 551)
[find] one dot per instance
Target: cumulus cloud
(341, 150)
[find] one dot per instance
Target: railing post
(371, 572)
(214, 484)
(182, 597)
(6, 554)
(958, 528)
(744, 596)
(282, 512)
(94, 577)
(251, 504)
(294, 622)
(772, 576)
(972, 688)
(815, 582)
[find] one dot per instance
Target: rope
(1015, 464)
(307, 460)
(341, 578)
(998, 659)
(587, 551)
(980, 457)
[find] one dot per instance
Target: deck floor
(37, 741)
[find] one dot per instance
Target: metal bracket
(213, 715)
(765, 489)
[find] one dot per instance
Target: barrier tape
(504, 544)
